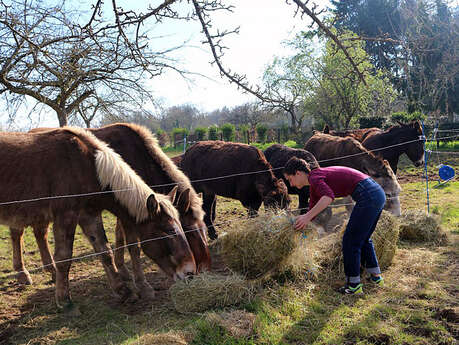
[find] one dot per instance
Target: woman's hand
(302, 221)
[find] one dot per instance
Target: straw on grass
(238, 323)
(384, 239)
(417, 226)
(209, 290)
(264, 245)
(169, 338)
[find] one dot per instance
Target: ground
(418, 305)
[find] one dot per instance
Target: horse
(346, 151)
(233, 170)
(358, 134)
(68, 176)
(139, 148)
(376, 140)
(278, 155)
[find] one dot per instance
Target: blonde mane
(113, 172)
(175, 174)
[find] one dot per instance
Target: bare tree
(46, 53)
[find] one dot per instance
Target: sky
(264, 25)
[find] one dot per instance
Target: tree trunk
(62, 117)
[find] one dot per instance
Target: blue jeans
(357, 245)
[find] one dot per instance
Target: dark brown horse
(139, 149)
(331, 150)
(68, 176)
(278, 155)
(358, 134)
(232, 170)
(376, 140)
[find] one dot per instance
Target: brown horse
(232, 170)
(375, 140)
(358, 134)
(139, 149)
(68, 176)
(331, 150)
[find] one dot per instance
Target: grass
(413, 308)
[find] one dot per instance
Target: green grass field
(418, 305)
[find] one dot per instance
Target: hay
(208, 290)
(169, 338)
(384, 239)
(263, 245)
(238, 323)
(417, 226)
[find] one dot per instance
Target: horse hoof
(69, 309)
(126, 295)
(24, 278)
(147, 293)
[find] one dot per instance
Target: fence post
(278, 135)
(248, 137)
(426, 157)
(184, 142)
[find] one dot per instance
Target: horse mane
(168, 166)
(113, 172)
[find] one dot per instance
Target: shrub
(228, 131)
(262, 132)
(213, 133)
(178, 134)
(404, 117)
(163, 138)
(200, 133)
(374, 121)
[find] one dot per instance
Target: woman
(336, 181)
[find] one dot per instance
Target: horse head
(163, 240)
(189, 206)
(277, 195)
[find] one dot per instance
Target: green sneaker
(349, 290)
(376, 280)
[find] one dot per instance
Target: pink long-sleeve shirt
(333, 181)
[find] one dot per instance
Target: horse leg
(17, 242)
(393, 162)
(93, 228)
(41, 236)
(64, 234)
(119, 252)
(303, 200)
(209, 205)
(144, 288)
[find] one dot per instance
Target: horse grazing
(68, 176)
(139, 149)
(376, 140)
(346, 151)
(232, 170)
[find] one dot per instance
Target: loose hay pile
(208, 290)
(417, 226)
(169, 338)
(238, 323)
(385, 238)
(264, 245)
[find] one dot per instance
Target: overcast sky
(264, 25)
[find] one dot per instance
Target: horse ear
(153, 204)
(173, 194)
(326, 129)
(417, 126)
(183, 202)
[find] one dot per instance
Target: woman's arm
(303, 220)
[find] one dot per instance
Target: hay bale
(238, 323)
(169, 338)
(385, 238)
(417, 226)
(262, 245)
(209, 290)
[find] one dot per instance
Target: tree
(184, 115)
(340, 97)
(60, 57)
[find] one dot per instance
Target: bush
(374, 121)
(228, 131)
(200, 133)
(213, 133)
(405, 117)
(262, 132)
